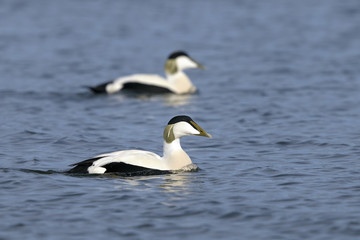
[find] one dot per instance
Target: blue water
(280, 96)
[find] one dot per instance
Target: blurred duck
(176, 80)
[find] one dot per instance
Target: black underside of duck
(132, 86)
(118, 168)
(145, 88)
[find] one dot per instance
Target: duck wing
(121, 162)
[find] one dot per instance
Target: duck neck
(174, 156)
(180, 83)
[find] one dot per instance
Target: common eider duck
(132, 161)
(176, 80)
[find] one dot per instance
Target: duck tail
(101, 88)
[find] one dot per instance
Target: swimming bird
(176, 80)
(130, 161)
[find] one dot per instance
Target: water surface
(280, 96)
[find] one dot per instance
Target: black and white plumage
(128, 161)
(176, 80)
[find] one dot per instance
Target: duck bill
(201, 131)
(201, 66)
(198, 65)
